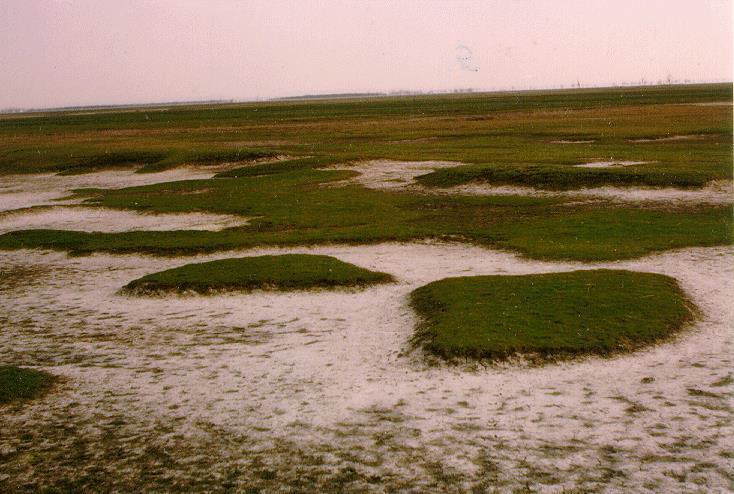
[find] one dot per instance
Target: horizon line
(354, 95)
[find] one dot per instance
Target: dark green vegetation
(569, 177)
(503, 138)
(533, 227)
(550, 315)
(18, 383)
(284, 272)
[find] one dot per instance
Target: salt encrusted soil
(28, 190)
(611, 164)
(319, 391)
(400, 175)
(91, 219)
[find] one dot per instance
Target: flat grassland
(592, 223)
(523, 139)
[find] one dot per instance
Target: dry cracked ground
(320, 391)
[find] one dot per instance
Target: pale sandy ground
(397, 175)
(569, 141)
(610, 164)
(95, 219)
(688, 137)
(313, 384)
(319, 391)
(28, 190)
(39, 201)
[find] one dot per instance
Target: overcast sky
(69, 52)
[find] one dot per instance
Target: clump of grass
(106, 160)
(18, 383)
(204, 157)
(548, 315)
(563, 177)
(285, 166)
(284, 272)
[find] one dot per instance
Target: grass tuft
(284, 272)
(18, 383)
(556, 315)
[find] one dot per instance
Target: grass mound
(564, 177)
(17, 383)
(285, 272)
(548, 315)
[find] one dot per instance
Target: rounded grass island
(20, 383)
(279, 273)
(548, 316)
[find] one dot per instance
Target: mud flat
(389, 174)
(400, 175)
(610, 164)
(322, 387)
(28, 190)
(96, 219)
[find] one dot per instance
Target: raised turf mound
(284, 272)
(548, 316)
(18, 383)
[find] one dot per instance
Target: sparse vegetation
(550, 315)
(283, 272)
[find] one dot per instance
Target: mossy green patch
(18, 383)
(553, 315)
(281, 272)
(564, 177)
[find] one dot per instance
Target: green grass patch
(106, 160)
(510, 129)
(285, 166)
(282, 272)
(204, 157)
(18, 383)
(560, 177)
(288, 210)
(504, 138)
(558, 315)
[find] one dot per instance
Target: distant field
(528, 139)
(494, 129)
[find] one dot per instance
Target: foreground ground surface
(323, 391)
(314, 390)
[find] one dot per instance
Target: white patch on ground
(610, 164)
(711, 103)
(567, 141)
(28, 190)
(400, 175)
(389, 174)
(692, 137)
(717, 192)
(97, 219)
(324, 371)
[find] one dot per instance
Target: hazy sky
(69, 52)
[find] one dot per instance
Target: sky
(57, 53)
